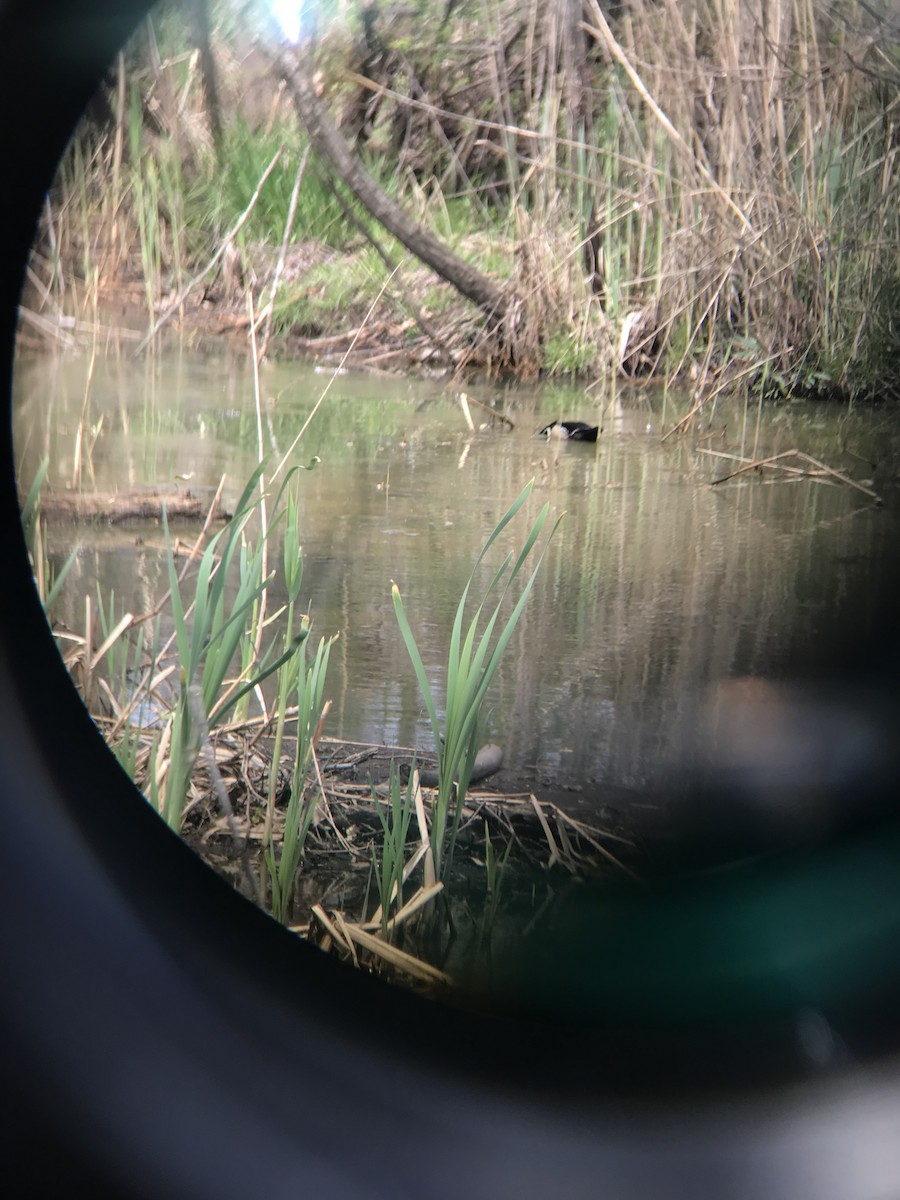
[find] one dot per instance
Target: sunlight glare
(287, 13)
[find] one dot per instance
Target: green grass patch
(567, 353)
(330, 291)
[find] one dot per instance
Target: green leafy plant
(473, 660)
(209, 640)
(395, 820)
(49, 582)
(214, 629)
(305, 683)
(310, 686)
(494, 873)
(567, 354)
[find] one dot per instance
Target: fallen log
(136, 505)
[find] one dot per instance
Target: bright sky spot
(287, 14)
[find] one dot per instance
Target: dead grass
(685, 189)
(334, 901)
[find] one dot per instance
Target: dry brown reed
(727, 169)
(331, 905)
(688, 187)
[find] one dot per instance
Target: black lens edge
(164, 1038)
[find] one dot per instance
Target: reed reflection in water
(656, 587)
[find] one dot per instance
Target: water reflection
(656, 586)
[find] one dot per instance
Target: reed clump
(174, 710)
(474, 654)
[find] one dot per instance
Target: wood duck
(573, 431)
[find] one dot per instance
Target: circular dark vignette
(162, 1038)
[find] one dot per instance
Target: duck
(573, 431)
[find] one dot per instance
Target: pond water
(656, 586)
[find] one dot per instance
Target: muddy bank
(381, 337)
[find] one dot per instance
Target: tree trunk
(330, 146)
(201, 23)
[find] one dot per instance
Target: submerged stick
(464, 405)
(754, 465)
(487, 408)
(840, 476)
(582, 832)
(777, 461)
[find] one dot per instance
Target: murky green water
(656, 585)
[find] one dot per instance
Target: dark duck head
(570, 431)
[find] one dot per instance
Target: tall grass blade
(472, 662)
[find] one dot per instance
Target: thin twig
(282, 254)
(753, 465)
(840, 476)
(175, 304)
(583, 833)
(726, 383)
(603, 33)
(406, 297)
(334, 375)
(263, 506)
(777, 461)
